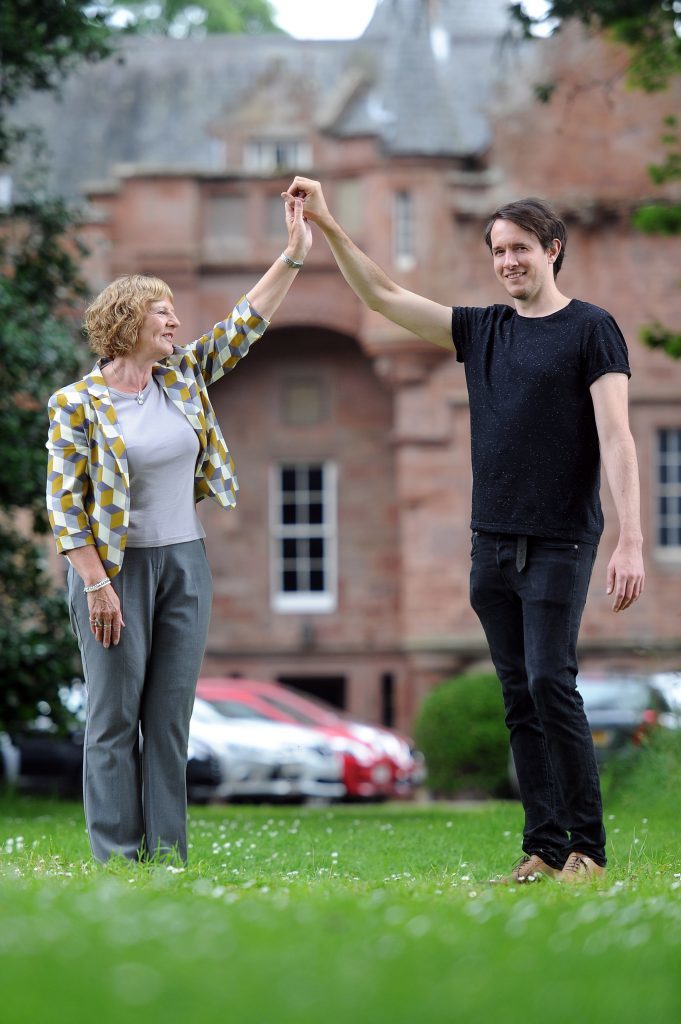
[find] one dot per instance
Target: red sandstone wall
(356, 436)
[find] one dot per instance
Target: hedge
(461, 730)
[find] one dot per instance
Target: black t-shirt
(535, 452)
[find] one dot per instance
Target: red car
(378, 763)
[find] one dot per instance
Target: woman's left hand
(299, 231)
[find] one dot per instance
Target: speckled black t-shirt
(534, 445)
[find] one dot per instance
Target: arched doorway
(306, 569)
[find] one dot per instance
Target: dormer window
(265, 156)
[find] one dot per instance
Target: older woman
(132, 447)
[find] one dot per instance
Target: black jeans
(531, 614)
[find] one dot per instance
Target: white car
(267, 760)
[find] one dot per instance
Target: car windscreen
(622, 696)
(235, 709)
(289, 709)
(205, 713)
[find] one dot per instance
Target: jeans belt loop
(521, 553)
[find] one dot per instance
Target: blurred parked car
(43, 761)
(670, 685)
(204, 773)
(377, 762)
(261, 759)
(621, 710)
(40, 758)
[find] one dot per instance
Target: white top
(162, 449)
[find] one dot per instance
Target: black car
(42, 760)
(621, 710)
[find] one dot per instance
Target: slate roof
(422, 103)
(153, 104)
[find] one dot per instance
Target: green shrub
(646, 776)
(461, 731)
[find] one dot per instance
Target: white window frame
(264, 156)
(404, 227)
(665, 551)
(308, 601)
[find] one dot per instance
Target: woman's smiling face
(157, 333)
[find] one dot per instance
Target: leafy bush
(647, 776)
(461, 731)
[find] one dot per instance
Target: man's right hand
(429, 320)
(314, 204)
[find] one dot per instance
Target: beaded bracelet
(97, 586)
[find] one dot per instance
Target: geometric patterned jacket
(88, 487)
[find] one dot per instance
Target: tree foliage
(39, 351)
(663, 219)
(183, 18)
(40, 42)
(38, 653)
(651, 30)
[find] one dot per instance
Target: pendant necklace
(140, 393)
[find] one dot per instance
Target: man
(547, 382)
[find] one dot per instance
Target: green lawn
(367, 914)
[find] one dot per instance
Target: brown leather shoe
(579, 868)
(528, 869)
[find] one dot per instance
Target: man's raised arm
(429, 320)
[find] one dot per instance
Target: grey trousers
(140, 696)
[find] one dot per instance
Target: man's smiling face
(521, 264)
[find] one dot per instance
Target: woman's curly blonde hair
(113, 320)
